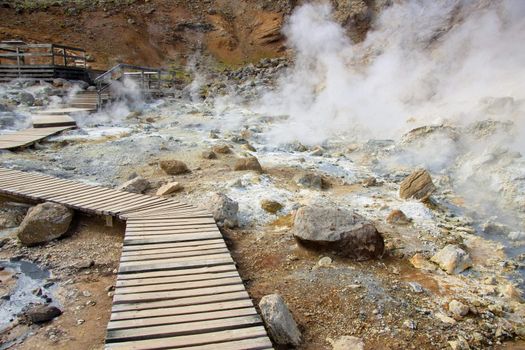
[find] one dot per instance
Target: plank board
(27, 137)
(177, 284)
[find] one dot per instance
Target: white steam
(423, 62)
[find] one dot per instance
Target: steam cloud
(423, 62)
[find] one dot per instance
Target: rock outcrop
(452, 259)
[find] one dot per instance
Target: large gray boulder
(43, 223)
(279, 320)
(42, 313)
(342, 231)
(224, 210)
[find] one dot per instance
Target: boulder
(452, 259)
(224, 210)
(248, 163)
(417, 185)
(42, 313)
(279, 320)
(169, 188)
(222, 149)
(397, 217)
(271, 206)
(26, 98)
(348, 343)
(208, 155)
(44, 222)
(173, 167)
(136, 185)
(312, 181)
(342, 231)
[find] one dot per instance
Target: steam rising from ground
(423, 62)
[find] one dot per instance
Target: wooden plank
(189, 340)
(183, 310)
(188, 328)
(175, 250)
(176, 230)
(159, 296)
(179, 286)
(260, 343)
(178, 319)
(178, 279)
(174, 273)
(172, 238)
(145, 248)
(183, 260)
(157, 255)
(179, 265)
(181, 302)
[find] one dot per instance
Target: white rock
(169, 188)
(135, 185)
(279, 320)
(348, 343)
(452, 259)
(324, 262)
(457, 308)
(224, 210)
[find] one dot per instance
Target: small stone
(452, 259)
(458, 309)
(173, 167)
(80, 321)
(325, 262)
(136, 185)
(249, 147)
(86, 293)
(169, 188)
(420, 262)
(512, 292)
(417, 185)
(347, 343)
(208, 155)
(370, 182)
(397, 217)
(224, 210)
(248, 163)
(310, 180)
(42, 313)
(271, 206)
(279, 320)
(445, 319)
(410, 324)
(459, 344)
(222, 149)
(416, 287)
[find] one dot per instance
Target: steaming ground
(433, 85)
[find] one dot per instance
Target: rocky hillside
(166, 32)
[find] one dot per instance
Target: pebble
(80, 321)
(324, 262)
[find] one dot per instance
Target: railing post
(65, 58)
(52, 55)
(18, 61)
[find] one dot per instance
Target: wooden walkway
(27, 137)
(177, 285)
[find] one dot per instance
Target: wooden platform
(27, 137)
(177, 285)
(52, 120)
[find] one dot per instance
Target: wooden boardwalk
(177, 285)
(27, 137)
